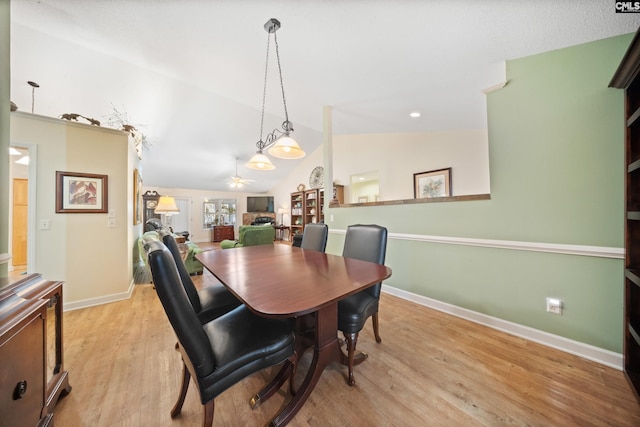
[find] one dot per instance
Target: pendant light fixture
(278, 143)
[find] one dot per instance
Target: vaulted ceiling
(189, 73)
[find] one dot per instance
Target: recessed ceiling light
(415, 114)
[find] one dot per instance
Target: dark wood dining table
(283, 281)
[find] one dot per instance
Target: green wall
(556, 158)
(5, 76)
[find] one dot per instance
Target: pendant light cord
(264, 91)
(284, 99)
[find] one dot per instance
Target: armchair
(191, 263)
(154, 224)
(251, 235)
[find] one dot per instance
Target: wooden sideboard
(32, 375)
(222, 232)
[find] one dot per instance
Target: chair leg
(352, 340)
(207, 418)
(376, 331)
(183, 392)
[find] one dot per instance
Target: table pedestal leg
(326, 351)
(275, 384)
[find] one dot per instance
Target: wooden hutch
(307, 207)
(32, 375)
(627, 78)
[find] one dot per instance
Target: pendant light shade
(286, 148)
(260, 162)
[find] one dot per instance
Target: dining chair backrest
(180, 312)
(314, 237)
(171, 244)
(366, 243)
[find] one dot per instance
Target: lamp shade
(260, 162)
(286, 147)
(167, 206)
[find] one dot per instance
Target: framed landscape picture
(430, 184)
(81, 192)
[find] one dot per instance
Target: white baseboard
(91, 302)
(586, 351)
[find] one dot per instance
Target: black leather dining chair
(209, 302)
(222, 352)
(314, 237)
(366, 243)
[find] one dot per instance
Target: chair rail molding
(583, 250)
(4, 258)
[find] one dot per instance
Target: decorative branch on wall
(120, 120)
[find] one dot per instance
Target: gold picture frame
(137, 197)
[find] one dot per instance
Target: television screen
(260, 204)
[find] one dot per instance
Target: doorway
(19, 212)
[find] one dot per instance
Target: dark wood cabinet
(32, 375)
(627, 78)
(222, 232)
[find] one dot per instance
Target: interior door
(181, 221)
(20, 209)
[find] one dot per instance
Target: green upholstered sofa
(251, 235)
(193, 265)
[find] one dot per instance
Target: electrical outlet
(554, 305)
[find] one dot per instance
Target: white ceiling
(189, 73)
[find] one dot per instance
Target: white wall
(397, 156)
(92, 259)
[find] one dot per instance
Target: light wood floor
(430, 369)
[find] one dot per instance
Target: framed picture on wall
(430, 184)
(81, 192)
(137, 197)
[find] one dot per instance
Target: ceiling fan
(236, 181)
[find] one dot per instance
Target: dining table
(284, 281)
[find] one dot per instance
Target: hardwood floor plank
(430, 369)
